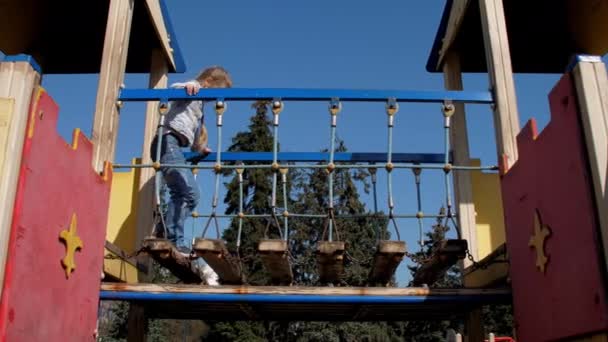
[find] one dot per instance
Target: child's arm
(192, 87)
(201, 139)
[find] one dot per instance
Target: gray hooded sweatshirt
(185, 118)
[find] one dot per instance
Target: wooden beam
(153, 7)
(457, 13)
(147, 203)
(459, 140)
(591, 82)
(498, 57)
(111, 76)
(302, 290)
(19, 87)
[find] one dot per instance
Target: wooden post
(498, 57)
(591, 82)
(19, 86)
(111, 76)
(137, 324)
(463, 189)
(145, 207)
(474, 326)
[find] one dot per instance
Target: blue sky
(316, 44)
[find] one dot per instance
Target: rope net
(448, 215)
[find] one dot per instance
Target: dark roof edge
(431, 64)
(180, 65)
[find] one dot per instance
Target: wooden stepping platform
(165, 253)
(330, 260)
(217, 256)
(388, 257)
(275, 256)
(446, 256)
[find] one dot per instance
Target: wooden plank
(457, 13)
(491, 270)
(591, 82)
(474, 326)
(120, 253)
(111, 76)
(217, 256)
(389, 255)
(147, 203)
(165, 253)
(603, 337)
(19, 82)
(153, 7)
(275, 257)
(447, 254)
(302, 290)
(498, 57)
(459, 140)
(137, 323)
(330, 260)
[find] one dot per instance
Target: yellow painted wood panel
(488, 210)
(122, 222)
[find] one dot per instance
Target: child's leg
(183, 190)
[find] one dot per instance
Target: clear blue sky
(316, 44)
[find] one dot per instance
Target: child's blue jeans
(183, 190)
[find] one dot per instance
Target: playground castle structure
(544, 211)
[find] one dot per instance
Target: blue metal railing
(311, 95)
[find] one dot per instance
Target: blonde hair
(217, 77)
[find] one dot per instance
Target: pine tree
(257, 190)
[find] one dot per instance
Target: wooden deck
(284, 303)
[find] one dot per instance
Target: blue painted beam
(286, 94)
(422, 158)
(24, 58)
(299, 298)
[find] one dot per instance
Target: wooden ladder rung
(275, 256)
(216, 255)
(330, 260)
(165, 253)
(446, 255)
(389, 255)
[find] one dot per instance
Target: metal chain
(124, 257)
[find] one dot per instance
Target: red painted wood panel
(39, 302)
(552, 176)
